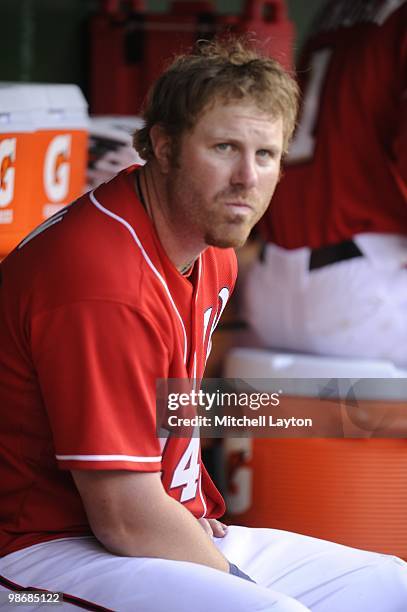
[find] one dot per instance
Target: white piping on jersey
(163, 443)
(41, 228)
(136, 239)
(198, 284)
(164, 284)
(205, 509)
(194, 372)
(130, 458)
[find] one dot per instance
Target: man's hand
(213, 527)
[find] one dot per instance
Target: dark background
(46, 40)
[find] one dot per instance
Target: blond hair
(227, 69)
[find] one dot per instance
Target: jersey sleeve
(97, 364)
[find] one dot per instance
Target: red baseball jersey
(346, 170)
(92, 313)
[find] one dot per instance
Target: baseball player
(334, 272)
(122, 288)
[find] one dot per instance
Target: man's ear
(161, 143)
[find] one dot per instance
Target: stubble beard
(231, 230)
(232, 233)
(212, 224)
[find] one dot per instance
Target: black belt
(326, 255)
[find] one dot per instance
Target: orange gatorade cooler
(17, 137)
(61, 141)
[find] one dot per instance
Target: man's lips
(242, 208)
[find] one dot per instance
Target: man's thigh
(324, 576)
(90, 577)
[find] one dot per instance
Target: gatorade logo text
(57, 168)
(7, 170)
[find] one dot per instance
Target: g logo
(57, 169)
(7, 171)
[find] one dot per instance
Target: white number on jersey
(303, 144)
(187, 472)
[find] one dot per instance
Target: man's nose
(245, 172)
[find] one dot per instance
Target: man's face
(225, 173)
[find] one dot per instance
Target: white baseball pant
(294, 573)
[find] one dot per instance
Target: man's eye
(264, 153)
(223, 146)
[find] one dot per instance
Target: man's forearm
(171, 532)
(144, 523)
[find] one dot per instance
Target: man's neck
(175, 240)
